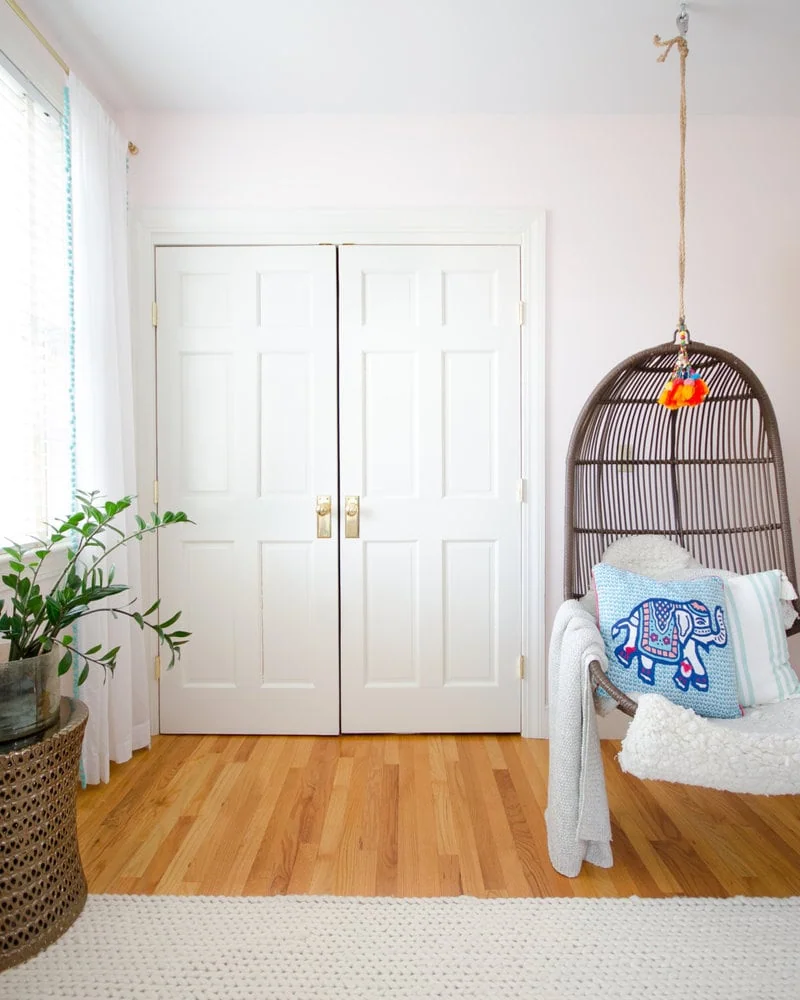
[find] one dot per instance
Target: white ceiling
(427, 56)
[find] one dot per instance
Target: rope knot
(678, 40)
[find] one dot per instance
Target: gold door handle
(352, 517)
(323, 509)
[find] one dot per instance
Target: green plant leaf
(84, 674)
(93, 650)
(64, 663)
(34, 621)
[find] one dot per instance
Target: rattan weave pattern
(709, 477)
(42, 883)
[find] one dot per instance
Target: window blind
(34, 314)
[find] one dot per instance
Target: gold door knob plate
(323, 512)
(352, 517)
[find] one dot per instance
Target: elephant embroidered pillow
(668, 637)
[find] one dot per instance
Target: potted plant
(37, 625)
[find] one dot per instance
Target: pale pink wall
(609, 187)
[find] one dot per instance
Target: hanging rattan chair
(709, 477)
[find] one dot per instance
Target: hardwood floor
(409, 816)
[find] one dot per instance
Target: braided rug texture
(306, 947)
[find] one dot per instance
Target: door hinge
(520, 491)
(521, 664)
(154, 314)
(158, 668)
(155, 492)
(521, 313)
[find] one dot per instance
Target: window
(35, 425)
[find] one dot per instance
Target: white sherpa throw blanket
(758, 753)
(578, 825)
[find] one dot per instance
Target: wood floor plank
(483, 776)
(469, 782)
(272, 866)
(324, 880)
(538, 870)
(427, 840)
(354, 869)
(187, 863)
(469, 856)
(303, 870)
(271, 762)
(408, 862)
(113, 853)
(386, 866)
(410, 815)
(162, 857)
(539, 882)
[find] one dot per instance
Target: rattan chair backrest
(709, 477)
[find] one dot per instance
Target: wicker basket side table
(42, 884)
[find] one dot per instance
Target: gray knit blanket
(578, 824)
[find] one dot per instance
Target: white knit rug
(310, 948)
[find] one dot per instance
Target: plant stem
(37, 622)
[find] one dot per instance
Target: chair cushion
(761, 653)
(669, 637)
(650, 555)
(759, 752)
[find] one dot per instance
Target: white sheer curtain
(119, 717)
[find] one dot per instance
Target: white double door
(388, 379)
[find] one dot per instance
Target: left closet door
(247, 442)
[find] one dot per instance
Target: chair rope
(683, 49)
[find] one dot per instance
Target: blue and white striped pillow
(757, 631)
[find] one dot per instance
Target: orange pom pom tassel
(685, 387)
(680, 392)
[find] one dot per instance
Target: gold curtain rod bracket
(133, 149)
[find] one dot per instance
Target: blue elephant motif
(672, 633)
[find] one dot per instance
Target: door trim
(524, 227)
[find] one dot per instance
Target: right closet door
(430, 514)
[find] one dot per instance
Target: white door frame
(151, 228)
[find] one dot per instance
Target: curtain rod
(133, 149)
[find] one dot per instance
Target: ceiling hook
(682, 20)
